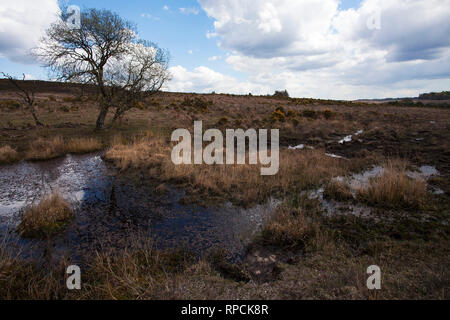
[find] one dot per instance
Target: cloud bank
(313, 48)
(22, 24)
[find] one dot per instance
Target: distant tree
(105, 52)
(26, 94)
(444, 95)
(281, 94)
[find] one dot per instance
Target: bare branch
(25, 93)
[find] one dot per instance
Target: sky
(331, 49)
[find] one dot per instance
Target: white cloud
(22, 24)
(211, 35)
(166, 7)
(206, 80)
(187, 11)
(149, 16)
(190, 52)
(214, 58)
(313, 48)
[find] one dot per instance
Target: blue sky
(183, 34)
(312, 48)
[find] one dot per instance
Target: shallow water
(357, 181)
(425, 172)
(299, 147)
(346, 139)
(332, 207)
(110, 209)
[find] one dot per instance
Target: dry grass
(136, 273)
(298, 170)
(8, 155)
(46, 218)
(141, 153)
(49, 148)
(44, 149)
(83, 145)
(338, 190)
(290, 227)
(394, 189)
(145, 274)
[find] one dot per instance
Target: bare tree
(142, 73)
(26, 93)
(84, 55)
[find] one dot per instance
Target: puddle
(332, 155)
(299, 147)
(110, 209)
(332, 207)
(357, 181)
(361, 180)
(424, 173)
(437, 191)
(350, 137)
(346, 139)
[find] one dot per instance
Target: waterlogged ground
(111, 210)
(360, 180)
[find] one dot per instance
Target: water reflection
(110, 209)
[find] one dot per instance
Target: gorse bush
(198, 104)
(291, 113)
(10, 104)
(328, 113)
(308, 113)
(278, 115)
(222, 121)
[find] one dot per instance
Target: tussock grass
(140, 153)
(394, 189)
(46, 218)
(338, 190)
(143, 273)
(139, 272)
(289, 227)
(45, 149)
(83, 145)
(297, 227)
(8, 155)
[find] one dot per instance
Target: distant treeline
(50, 86)
(444, 95)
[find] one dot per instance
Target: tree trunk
(101, 117)
(116, 117)
(36, 120)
